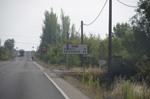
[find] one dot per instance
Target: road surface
(21, 79)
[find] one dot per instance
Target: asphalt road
(21, 79)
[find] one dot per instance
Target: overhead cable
(23, 43)
(97, 15)
(26, 43)
(18, 36)
(127, 4)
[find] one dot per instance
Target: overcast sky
(22, 19)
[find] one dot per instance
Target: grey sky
(23, 19)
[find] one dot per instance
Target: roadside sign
(102, 62)
(44, 50)
(75, 49)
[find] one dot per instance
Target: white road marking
(38, 65)
(57, 86)
(61, 91)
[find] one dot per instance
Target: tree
(73, 30)
(4, 51)
(141, 27)
(65, 25)
(51, 28)
(9, 43)
(120, 29)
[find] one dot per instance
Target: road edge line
(57, 87)
(61, 91)
(37, 65)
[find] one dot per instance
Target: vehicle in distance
(21, 52)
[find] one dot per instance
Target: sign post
(81, 49)
(44, 50)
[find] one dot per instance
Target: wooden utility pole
(110, 35)
(81, 32)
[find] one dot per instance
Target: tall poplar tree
(65, 25)
(50, 28)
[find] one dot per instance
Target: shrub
(4, 53)
(143, 67)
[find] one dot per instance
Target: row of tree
(131, 41)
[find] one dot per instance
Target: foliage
(51, 28)
(141, 27)
(143, 67)
(130, 42)
(125, 89)
(9, 43)
(4, 51)
(120, 29)
(125, 68)
(65, 25)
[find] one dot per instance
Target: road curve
(21, 79)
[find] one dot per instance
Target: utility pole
(110, 35)
(82, 62)
(81, 32)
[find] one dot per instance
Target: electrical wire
(97, 15)
(26, 43)
(18, 36)
(22, 43)
(127, 4)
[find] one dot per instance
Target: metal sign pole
(67, 46)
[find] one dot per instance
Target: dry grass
(93, 83)
(86, 83)
(85, 88)
(51, 67)
(129, 90)
(1, 61)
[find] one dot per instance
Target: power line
(26, 43)
(97, 15)
(127, 4)
(23, 43)
(18, 36)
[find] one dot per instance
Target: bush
(4, 53)
(122, 68)
(143, 67)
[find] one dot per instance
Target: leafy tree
(120, 29)
(103, 49)
(51, 28)
(65, 25)
(73, 30)
(9, 43)
(141, 27)
(125, 43)
(4, 51)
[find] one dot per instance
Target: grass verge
(95, 83)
